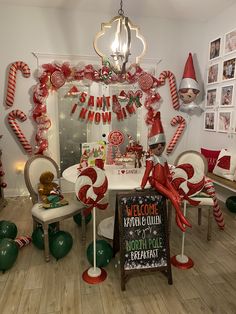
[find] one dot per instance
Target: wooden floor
(33, 286)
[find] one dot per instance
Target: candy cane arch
(173, 90)
(210, 190)
(11, 85)
(90, 188)
(182, 123)
(12, 116)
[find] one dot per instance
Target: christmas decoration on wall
(100, 109)
(180, 121)
(12, 116)
(189, 88)
(11, 84)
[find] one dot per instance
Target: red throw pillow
(211, 157)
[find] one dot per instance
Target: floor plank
(57, 287)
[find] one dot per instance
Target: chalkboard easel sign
(141, 234)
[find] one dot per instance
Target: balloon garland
(11, 85)
(55, 75)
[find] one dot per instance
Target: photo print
(224, 121)
(226, 98)
(211, 97)
(209, 121)
(213, 71)
(229, 69)
(214, 48)
(230, 42)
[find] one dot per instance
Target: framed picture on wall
(228, 69)
(230, 42)
(224, 121)
(215, 48)
(210, 121)
(211, 97)
(227, 96)
(213, 73)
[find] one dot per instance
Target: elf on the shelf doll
(157, 170)
(189, 88)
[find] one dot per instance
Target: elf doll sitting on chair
(157, 170)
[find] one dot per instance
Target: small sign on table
(141, 234)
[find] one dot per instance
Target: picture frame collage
(220, 97)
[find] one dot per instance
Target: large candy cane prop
(11, 86)
(90, 188)
(210, 190)
(181, 122)
(173, 90)
(12, 116)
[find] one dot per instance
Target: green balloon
(8, 253)
(104, 253)
(60, 244)
(38, 238)
(7, 229)
(231, 203)
(78, 218)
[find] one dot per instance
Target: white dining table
(119, 179)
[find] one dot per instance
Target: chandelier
(116, 48)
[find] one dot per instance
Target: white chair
(34, 167)
(199, 163)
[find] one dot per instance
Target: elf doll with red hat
(157, 170)
(189, 87)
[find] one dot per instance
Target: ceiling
(194, 10)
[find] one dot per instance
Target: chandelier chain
(121, 11)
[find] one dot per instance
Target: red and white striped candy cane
(181, 122)
(210, 190)
(173, 89)
(23, 241)
(11, 86)
(13, 124)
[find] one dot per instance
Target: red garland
(55, 75)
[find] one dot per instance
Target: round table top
(118, 178)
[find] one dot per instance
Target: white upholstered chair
(198, 161)
(34, 167)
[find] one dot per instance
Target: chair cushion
(226, 165)
(211, 157)
(204, 201)
(53, 213)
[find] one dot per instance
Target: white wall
(216, 27)
(28, 29)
